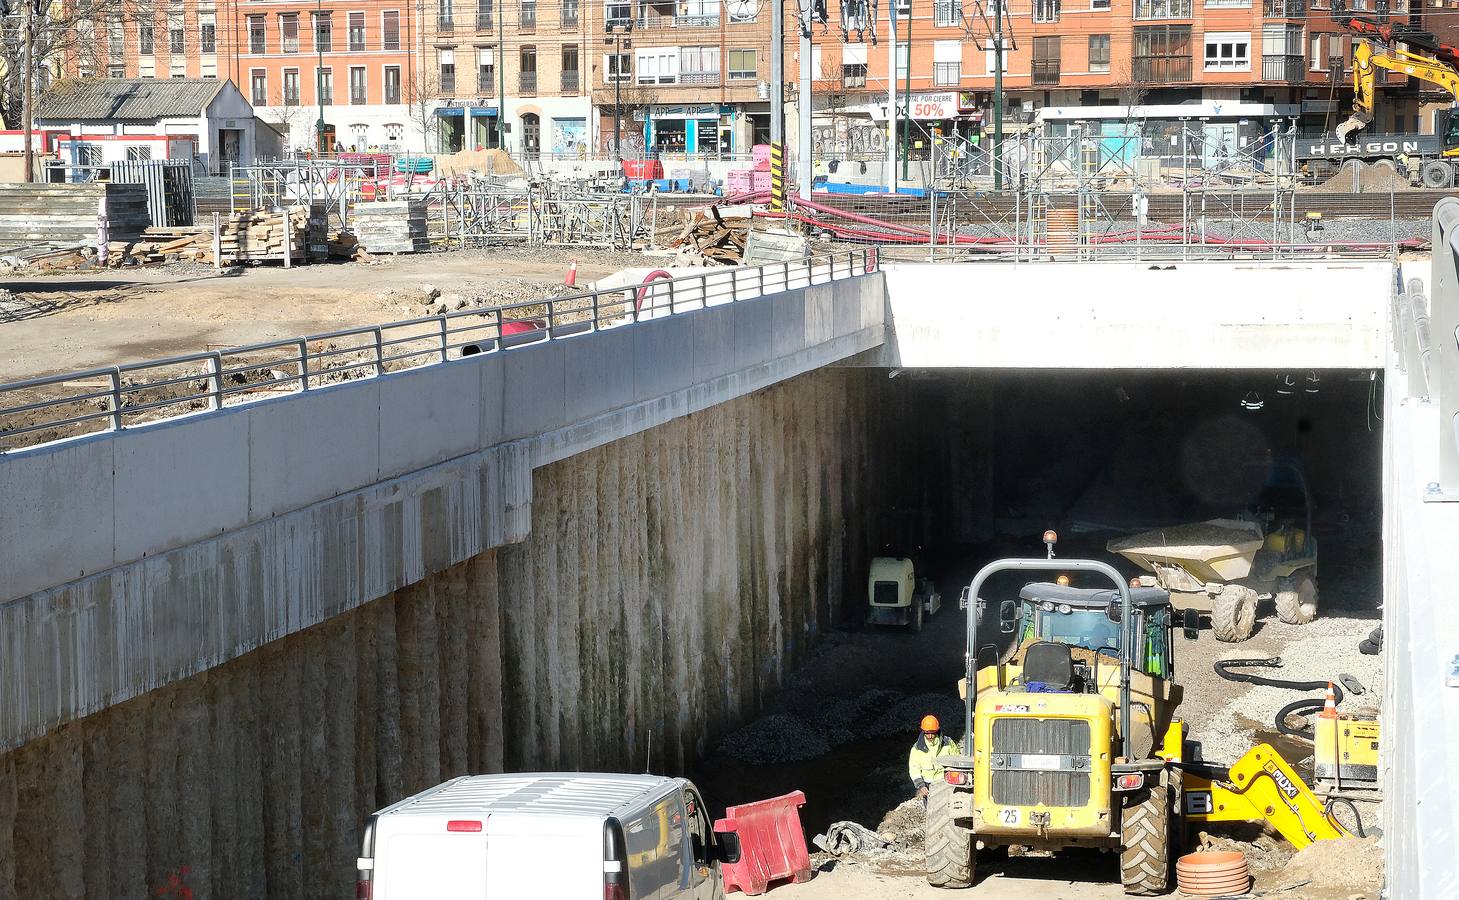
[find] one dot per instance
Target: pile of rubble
(715, 237)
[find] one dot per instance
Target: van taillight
(614, 891)
(463, 825)
(364, 890)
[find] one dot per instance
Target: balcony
(705, 21)
(445, 22)
(392, 94)
(484, 21)
(527, 84)
(1046, 71)
(1284, 9)
(1283, 68)
(486, 83)
(570, 81)
(527, 17)
(699, 78)
(448, 84)
(568, 15)
(1161, 69)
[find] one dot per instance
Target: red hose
(655, 275)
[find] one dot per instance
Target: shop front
(952, 115)
(466, 125)
(702, 130)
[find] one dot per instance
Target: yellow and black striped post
(777, 178)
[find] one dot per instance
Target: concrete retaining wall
(669, 580)
(1220, 315)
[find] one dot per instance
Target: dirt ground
(58, 323)
(840, 730)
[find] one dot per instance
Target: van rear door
(430, 856)
(534, 854)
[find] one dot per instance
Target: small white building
(98, 121)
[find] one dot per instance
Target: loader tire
(1233, 613)
(1296, 599)
(1145, 843)
(950, 852)
(919, 603)
(1437, 174)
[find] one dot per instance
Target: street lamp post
(618, 41)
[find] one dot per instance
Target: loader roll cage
(975, 606)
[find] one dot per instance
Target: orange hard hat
(930, 723)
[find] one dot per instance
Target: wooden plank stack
(260, 235)
(393, 226)
(717, 238)
(190, 243)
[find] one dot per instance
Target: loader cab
(1089, 618)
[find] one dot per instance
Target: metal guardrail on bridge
(1442, 368)
(111, 398)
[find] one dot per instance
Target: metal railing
(1283, 68)
(527, 83)
(113, 398)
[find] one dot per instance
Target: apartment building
(359, 61)
(677, 77)
(1242, 66)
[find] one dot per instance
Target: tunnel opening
(973, 465)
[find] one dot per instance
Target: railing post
(116, 399)
(760, 279)
(379, 351)
(785, 275)
(595, 311)
(216, 400)
(303, 365)
(445, 340)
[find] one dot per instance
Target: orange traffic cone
(1329, 704)
(572, 275)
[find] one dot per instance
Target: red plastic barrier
(772, 844)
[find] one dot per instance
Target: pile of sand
(1347, 868)
(483, 162)
(1371, 179)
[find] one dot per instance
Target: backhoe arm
(1367, 60)
(1261, 787)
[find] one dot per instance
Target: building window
(116, 71)
(116, 37)
(527, 15)
(657, 65)
(904, 52)
(258, 87)
(699, 65)
(1162, 54)
(1229, 51)
(176, 33)
(323, 32)
(742, 65)
(569, 10)
(1047, 10)
(853, 75)
(947, 62)
(357, 31)
(619, 15)
(617, 67)
(445, 14)
(1046, 60)
(144, 38)
(1099, 5)
(359, 88)
(257, 35)
(527, 71)
(139, 154)
(1099, 53)
(1281, 53)
(207, 33)
(484, 15)
(1216, 4)
(447, 68)
(291, 87)
(392, 84)
(946, 13)
(570, 80)
(486, 71)
(1162, 9)
(390, 29)
(289, 31)
(326, 86)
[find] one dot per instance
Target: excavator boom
(1369, 58)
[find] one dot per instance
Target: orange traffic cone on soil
(572, 275)
(1329, 704)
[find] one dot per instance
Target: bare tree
(423, 94)
(44, 41)
(295, 123)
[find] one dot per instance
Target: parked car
(594, 836)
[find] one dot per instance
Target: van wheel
(1145, 843)
(951, 856)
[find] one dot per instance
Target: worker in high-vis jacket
(922, 764)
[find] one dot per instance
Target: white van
(594, 836)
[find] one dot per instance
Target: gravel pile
(1225, 715)
(903, 717)
(775, 739)
(1351, 868)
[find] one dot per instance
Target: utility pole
(907, 119)
(319, 78)
(997, 95)
(807, 103)
(777, 72)
(501, 78)
(618, 41)
(27, 76)
(891, 170)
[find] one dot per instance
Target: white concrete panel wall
(1327, 314)
(1420, 635)
(131, 559)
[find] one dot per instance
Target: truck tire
(1296, 599)
(1437, 173)
(1233, 613)
(1145, 843)
(950, 852)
